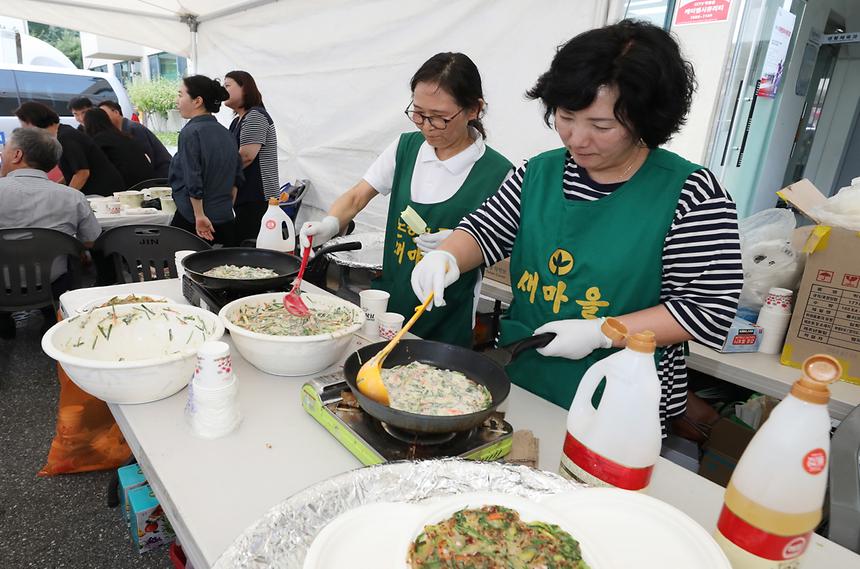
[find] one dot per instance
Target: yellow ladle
(369, 378)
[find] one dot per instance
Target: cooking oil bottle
(618, 443)
(276, 229)
(773, 501)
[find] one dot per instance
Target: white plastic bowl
(156, 298)
(147, 358)
(292, 355)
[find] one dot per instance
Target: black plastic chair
(134, 253)
(26, 257)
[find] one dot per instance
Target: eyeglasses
(436, 122)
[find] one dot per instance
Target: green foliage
(168, 138)
(157, 96)
(65, 40)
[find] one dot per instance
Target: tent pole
(193, 24)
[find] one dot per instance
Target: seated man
(79, 107)
(158, 154)
(85, 167)
(29, 199)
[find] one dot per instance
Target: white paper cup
(113, 208)
(214, 365)
(389, 324)
(167, 204)
(778, 299)
(213, 413)
(774, 324)
(177, 259)
(373, 302)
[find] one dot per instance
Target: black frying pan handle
(530, 343)
(337, 247)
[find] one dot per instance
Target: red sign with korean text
(702, 12)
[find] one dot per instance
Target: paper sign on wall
(702, 12)
(777, 51)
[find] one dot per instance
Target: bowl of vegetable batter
(277, 342)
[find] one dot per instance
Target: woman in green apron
(443, 172)
(608, 225)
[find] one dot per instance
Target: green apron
(453, 322)
(585, 259)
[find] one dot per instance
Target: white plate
(140, 211)
(616, 529)
(99, 301)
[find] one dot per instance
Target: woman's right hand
(204, 228)
(322, 231)
(433, 273)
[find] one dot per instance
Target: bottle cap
(819, 371)
(274, 201)
(613, 329)
(644, 341)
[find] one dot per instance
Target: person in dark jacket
(125, 153)
(85, 167)
(206, 169)
(158, 154)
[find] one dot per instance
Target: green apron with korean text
(451, 323)
(585, 259)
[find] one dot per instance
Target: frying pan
(475, 366)
(286, 266)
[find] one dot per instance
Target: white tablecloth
(109, 221)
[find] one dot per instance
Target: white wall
(707, 47)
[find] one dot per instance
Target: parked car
(55, 87)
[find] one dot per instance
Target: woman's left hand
(429, 241)
(574, 339)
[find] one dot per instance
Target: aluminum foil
(282, 537)
(368, 257)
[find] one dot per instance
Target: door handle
(749, 122)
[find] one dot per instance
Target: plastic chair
(26, 257)
(137, 253)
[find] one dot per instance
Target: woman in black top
(206, 169)
(258, 149)
(124, 152)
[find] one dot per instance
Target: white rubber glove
(574, 339)
(322, 231)
(433, 273)
(429, 241)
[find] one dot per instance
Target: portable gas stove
(210, 299)
(374, 442)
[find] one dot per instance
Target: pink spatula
(293, 300)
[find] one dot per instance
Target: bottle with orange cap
(277, 231)
(773, 501)
(618, 443)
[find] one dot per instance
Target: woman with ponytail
(443, 171)
(206, 169)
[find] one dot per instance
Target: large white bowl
(292, 355)
(142, 353)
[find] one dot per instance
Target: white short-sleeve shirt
(433, 180)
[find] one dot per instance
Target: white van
(55, 87)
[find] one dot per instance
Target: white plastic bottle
(773, 501)
(271, 235)
(618, 443)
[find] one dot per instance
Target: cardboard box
(743, 336)
(723, 450)
(826, 317)
(130, 477)
(500, 272)
(150, 528)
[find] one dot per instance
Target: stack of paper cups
(774, 318)
(212, 408)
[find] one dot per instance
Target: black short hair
(210, 90)
(113, 105)
(655, 83)
(96, 121)
(37, 114)
(80, 104)
(457, 75)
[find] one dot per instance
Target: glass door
(763, 41)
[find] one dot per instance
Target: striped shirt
(702, 274)
(257, 129)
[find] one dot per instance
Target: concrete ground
(61, 521)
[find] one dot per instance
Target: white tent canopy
(335, 74)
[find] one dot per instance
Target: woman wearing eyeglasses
(443, 171)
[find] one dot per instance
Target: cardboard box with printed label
(150, 527)
(130, 477)
(500, 272)
(826, 316)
